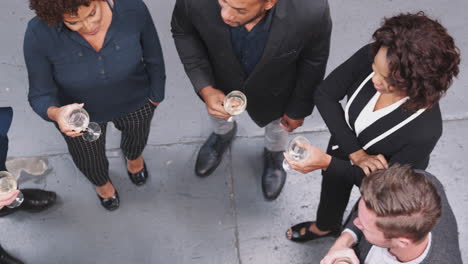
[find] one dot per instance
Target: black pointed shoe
(6, 258)
(111, 203)
(35, 200)
(211, 153)
(140, 177)
(274, 176)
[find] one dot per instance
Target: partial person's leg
(135, 129)
(274, 176)
(334, 197)
(211, 153)
(6, 116)
(90, 158)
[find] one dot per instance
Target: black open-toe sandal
(296, 235)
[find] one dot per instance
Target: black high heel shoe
(111, 203)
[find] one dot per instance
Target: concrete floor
(177, 217)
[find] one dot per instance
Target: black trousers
(6, 116)
(90, 157)
(334, 196)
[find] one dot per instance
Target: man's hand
(60, 116)
(153, 102)
(289, 124)
(368, 163)
(214, 100)
(317, 160)
(341, 249)
(8, 198)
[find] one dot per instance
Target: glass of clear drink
(235, 103)
(297, 151)
(79, 121)
(8, 184)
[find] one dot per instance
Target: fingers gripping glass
(297, 151)
(79, 121)
(8, 184)
(234, 104)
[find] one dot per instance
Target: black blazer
(445, 246)
(410, 144)
(292, 65)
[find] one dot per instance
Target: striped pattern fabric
(90, 157)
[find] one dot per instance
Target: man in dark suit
(403, 216)
(274, 51)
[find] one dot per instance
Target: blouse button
(80, 54)
(117, 47)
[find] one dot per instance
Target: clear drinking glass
(79, 121)
(235, 103)
(7, 184)
(297, 151)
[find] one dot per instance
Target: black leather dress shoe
(35, 200)
(274, 176)
(111, 203)
(140, 177)
(212, 151)
(6, 258)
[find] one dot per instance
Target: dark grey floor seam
(232, 198)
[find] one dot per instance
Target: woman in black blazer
(392, 113)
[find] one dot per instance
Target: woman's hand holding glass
(74, 121)
(316, 159)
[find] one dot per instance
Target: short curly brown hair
(422, 57)
(52, 11)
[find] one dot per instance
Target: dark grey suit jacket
(445, 247)
(292, 66)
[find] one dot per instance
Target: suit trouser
(334, 197)
(6, 116)
(90, 157)
(276, 137)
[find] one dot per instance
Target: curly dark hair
(52, 11)
(422, 57)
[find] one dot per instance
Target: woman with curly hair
(104, 56)
(392, 115)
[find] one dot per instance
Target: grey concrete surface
(176, 217)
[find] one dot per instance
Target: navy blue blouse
(63, 68)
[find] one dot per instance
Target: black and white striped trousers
(90, 157)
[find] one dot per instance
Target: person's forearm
(345, 240)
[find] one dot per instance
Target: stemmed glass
(7, 184)
(297, 150)
(79, 121)
(235, 103)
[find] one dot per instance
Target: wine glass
(297, 150)
(8, 184)
(235, 103)
(79, 121)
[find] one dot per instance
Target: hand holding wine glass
(297, 151)
(9, 193)
(316, 159)
(235, 103)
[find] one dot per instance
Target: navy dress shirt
(249, 46)
(63, 68)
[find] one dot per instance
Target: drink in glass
(79, 121)
(8, 184)
(235, 103)
(297, 151)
